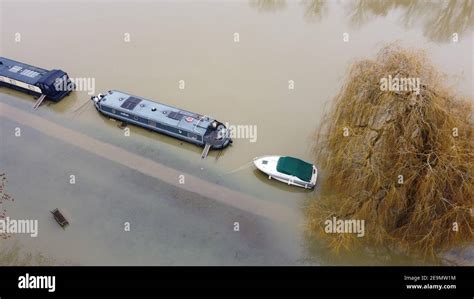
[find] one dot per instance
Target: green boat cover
(296, 167)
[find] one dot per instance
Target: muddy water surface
(245, 82)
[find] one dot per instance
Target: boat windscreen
(296, 167)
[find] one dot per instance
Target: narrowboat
(53, 85)
(290, 170)
(188, 126)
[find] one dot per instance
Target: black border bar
(292, 282)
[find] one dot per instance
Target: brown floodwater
(147, 47)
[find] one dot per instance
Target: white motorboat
(289, 170)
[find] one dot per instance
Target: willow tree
(401, 159)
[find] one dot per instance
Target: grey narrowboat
(188, 126)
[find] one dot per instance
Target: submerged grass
(12, 254)
(401, 161)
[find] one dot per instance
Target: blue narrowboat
(53, 85)
(188, 126)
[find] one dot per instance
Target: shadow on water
(439, 19)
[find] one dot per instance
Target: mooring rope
(241, 167)
(77, 112)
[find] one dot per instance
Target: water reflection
(315, 9)
(439, 18)
(360, 12)
(268, 5)
(456, 16)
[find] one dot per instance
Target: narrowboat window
(15, 69)
(153, 109)
(29, 73)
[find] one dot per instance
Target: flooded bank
(289, 61)
(120, 216)
(168, 175)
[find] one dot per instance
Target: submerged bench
(59, 217)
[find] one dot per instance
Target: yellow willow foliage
(400, 160)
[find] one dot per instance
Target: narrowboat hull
(56, 98)
(20, 89)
